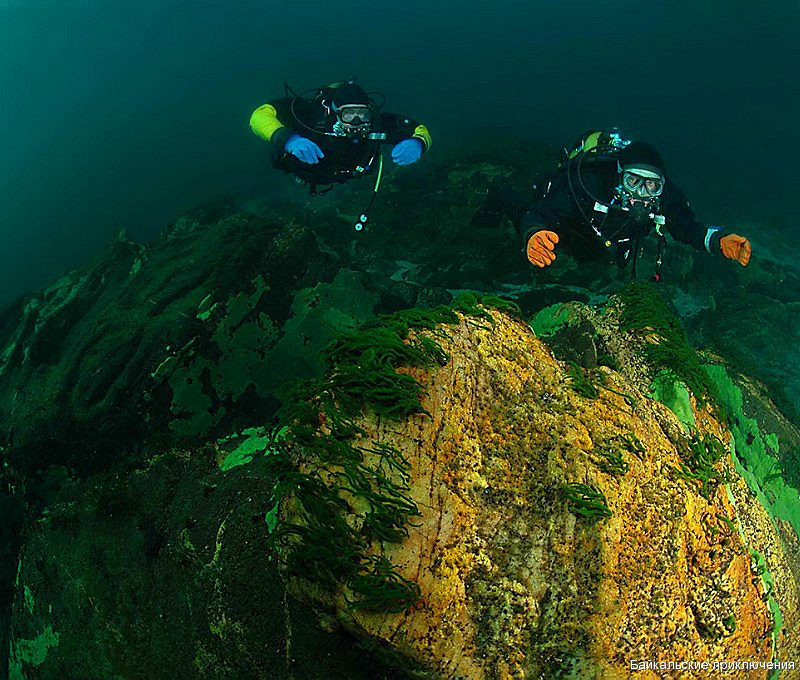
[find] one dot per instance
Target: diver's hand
(736, 247)
(304, 149)
(407, 152)
(541, 248)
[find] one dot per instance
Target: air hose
(362, 220)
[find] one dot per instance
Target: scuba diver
(606, 196)
(335, 135)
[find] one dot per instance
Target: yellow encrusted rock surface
(514, 583)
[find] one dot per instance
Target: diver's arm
(683, 225)
(715, 240)
(421, 133)
(266, 123)
(541, 224)
(554, 209)
(399, 128)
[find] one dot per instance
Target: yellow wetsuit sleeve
(264, 121)
(421, 133)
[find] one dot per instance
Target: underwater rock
(86, 364)
(761, 343)
(76, 359)
(504, 514)
(165, 572)
(559, 521)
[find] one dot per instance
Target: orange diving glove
(541, 248)
(736, 247)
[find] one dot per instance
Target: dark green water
(124, 114)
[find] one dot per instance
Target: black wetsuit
(578, 202)
(345, 157)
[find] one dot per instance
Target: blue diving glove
(304, 149)
(407, 152)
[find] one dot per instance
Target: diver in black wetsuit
(605, 198)
(335, 134)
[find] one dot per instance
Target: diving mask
(642, 182)
(354, 114)
(352, 120)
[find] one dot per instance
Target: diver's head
(354, 110)
(642, 175)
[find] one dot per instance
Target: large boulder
(532, 518)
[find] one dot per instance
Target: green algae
(29, 601)
(30, 652)
(645, 313)
(611, 461)
(247, 352)
(472, 305)
(675, 396)
(249, 443)
(190, 402)
(588, 383)
(586, 501)
(328, 476)
(791, 466)
(633, 444)
(201, 384)
(550, 320)
(165, 368)
(271, 517)
(763, 474)
(769, 588)
(319, 314)
(699, 457)
(771, 440)
(581, 381)
(751, 453)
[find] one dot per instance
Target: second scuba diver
(607, 195)
(336, 134)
